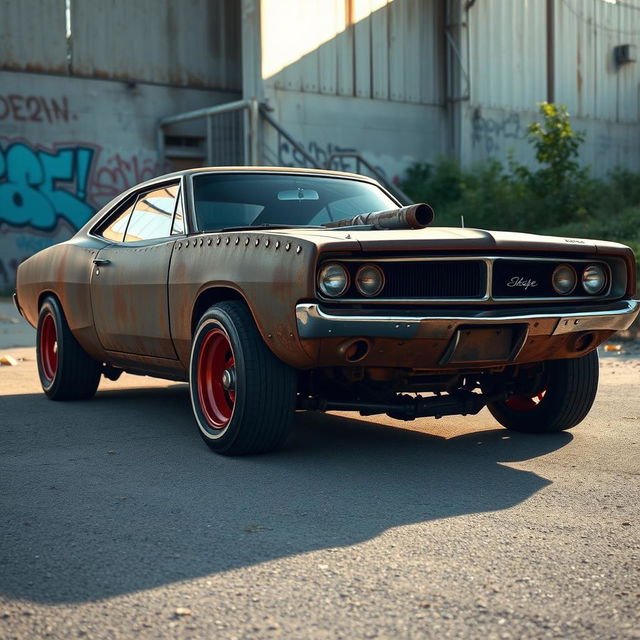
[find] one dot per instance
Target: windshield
(250, 199)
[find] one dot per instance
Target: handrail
(380, 177)
(296, 145)
(206, 112)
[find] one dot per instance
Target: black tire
(568, 390)
(254, 412)
(66, 371)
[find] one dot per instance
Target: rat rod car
(271, 290)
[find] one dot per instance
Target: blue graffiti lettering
(38, 187)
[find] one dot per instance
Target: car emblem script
(524, 283)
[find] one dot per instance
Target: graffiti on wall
(288, 156)
(489, 132)
(39, 186)
(21, 108)
(118, 174)
(46, 194)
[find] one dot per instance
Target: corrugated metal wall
(508, 56)
(32, 35)
(508, 43)
(507, 53)
(192, 43)
(382, 49)
(587, 79)
(186, 42)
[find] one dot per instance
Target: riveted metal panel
(186, 42)
(32, 35)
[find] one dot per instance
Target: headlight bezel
(572, 270)
(322, 275)
(381, 281)
(605, 279)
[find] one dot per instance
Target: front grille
(455, 279)
(532, 278)
(447, 279)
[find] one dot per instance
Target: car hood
(443, 239)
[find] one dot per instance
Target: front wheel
(243, 397)
(564, 396)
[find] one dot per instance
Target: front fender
(271, 273)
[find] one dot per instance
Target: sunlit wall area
(362, 75)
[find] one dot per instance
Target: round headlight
(564, 279)
(369, 280)
(333, 280)
(594, 279)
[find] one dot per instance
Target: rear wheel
(562, 399)
(66, 371)
(243, 397)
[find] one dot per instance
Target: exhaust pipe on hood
(415, 216)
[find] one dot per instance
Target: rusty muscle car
(274, 290)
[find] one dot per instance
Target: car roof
(176, 175)
(258, 169)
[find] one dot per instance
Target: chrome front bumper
(314, 322)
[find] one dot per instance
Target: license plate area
(472, 344)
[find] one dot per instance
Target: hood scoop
(415, 216)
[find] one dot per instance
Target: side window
(152, 214)
(178, 220)
(115, 230)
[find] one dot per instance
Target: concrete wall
(390, 136)
(81, 93)
(69, 145)
(491, 133)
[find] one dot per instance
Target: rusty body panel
(131, 315)
(269, 271)
(137, 308)
(426, 354)
(63, 271)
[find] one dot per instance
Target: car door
(129, 278)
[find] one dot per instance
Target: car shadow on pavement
(119, 494)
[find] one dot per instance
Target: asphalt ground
(118, 522)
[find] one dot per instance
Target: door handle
(99, 262)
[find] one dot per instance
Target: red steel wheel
(216, 379)
(66, 371)
(565, 396)
(525, 403)
(49, 347)
(243, 397)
